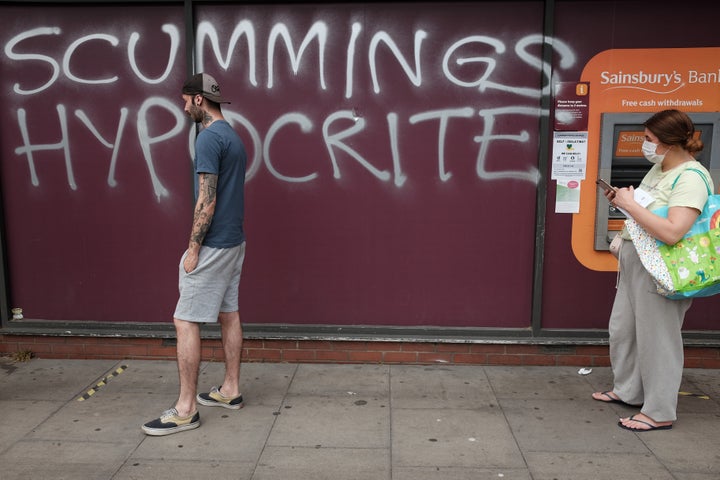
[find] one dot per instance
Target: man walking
(210, 268)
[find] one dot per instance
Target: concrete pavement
(330, 421)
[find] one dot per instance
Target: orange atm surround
(615, 89)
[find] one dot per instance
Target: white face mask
(649, 149)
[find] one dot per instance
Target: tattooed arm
(204, 211)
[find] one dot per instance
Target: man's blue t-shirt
(220, 151)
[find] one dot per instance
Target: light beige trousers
(646, 347)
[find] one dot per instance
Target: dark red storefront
(399, 179)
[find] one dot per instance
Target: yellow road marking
(698, 395)
(102, 382)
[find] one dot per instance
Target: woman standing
(646, 347)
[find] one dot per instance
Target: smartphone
(604, 185)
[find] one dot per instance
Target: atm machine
(622, 163)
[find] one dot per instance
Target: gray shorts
(212, 287)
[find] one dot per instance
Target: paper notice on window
(569, 156)
(567, 196)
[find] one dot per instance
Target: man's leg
(185, 415)
(228, 394)
(188, 359)
(232, 347)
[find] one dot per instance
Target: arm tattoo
(205, 207)
(208, 184)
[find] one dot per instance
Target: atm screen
(629, 165)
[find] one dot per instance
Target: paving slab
(699, 430)
(145, 377)
(706, 382)
(549, 383)
(96, 419)
(52, 379)
(342, 421)
(18, 419)
(163, 469)
(542, 425)
(282, 463)
(462, 387)
(459, 473)
(595, 466)
(361, 380)
(453, 438)
(329, 421)
(62, 459)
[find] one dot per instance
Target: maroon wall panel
(352, 217)
(394, 157)
(393, 173)
(96, 201)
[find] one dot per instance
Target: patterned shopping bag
(691, 267)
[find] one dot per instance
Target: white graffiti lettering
(350, 62)
(174, 35)
(207, 29)
(114, 146)
(28, 148)
(532, 174)
(336, 140)
(146, 141)
(415, 77)
(400, 177)
(71, 51)
(337, 129)
(444, 117)
(471, 63)
(305, 126)
(319, 30)
(10, 53)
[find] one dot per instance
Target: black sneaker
(170, 422)
(216, 399)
